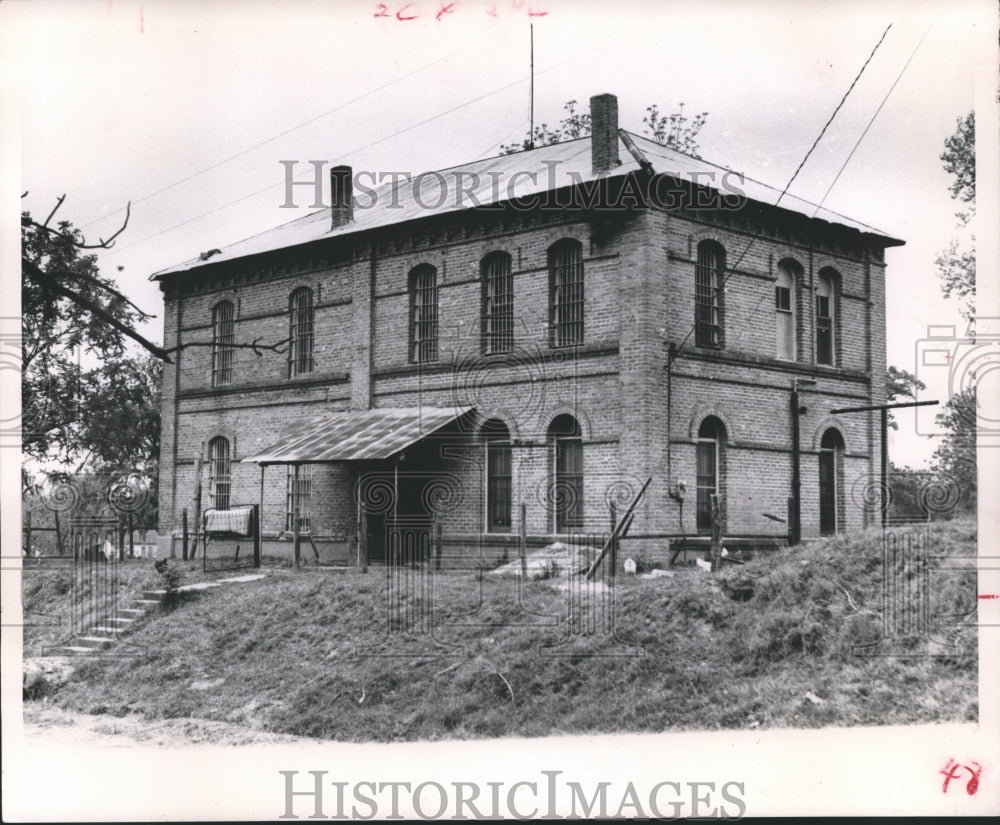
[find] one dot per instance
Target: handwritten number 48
(411, 11)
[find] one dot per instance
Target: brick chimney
(342, 195)
(604, 133)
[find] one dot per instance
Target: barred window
(825, 320)
(709, 274)
(566, 490)
(565, 293)
(223, 343)
(219, 479)
(711, 436)
(498, 303)
(423, 314)
(498, 476)
(300, 332)
(299, 497)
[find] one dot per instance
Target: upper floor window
(709, 275)
(498, 303)
(423, 314)
(826, 326)
(565, 293)
(785, 293)
(223, 343)
(219, 479)
(300, 332)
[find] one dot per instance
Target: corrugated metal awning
(357, 435)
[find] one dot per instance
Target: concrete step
(147, 604)
(119, 621)
(74, 650)
(93, 641)
(105, 630)
(130, 613)
(154, 595)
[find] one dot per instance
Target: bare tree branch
(82, 244)
(46, 281)
(257, 347)
(145, 316)
(55, 208)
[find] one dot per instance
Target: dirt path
(44, 724)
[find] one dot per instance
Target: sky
(186, 111)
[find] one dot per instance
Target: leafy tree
(957, 264)
(954, 460)
(900, 385)
(675, 130)
(101, 416)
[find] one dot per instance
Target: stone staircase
(103, 635)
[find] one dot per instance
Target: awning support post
(295, 515)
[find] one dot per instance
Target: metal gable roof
(501, 179)
(357, 435)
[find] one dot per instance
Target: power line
(280, 135)
(870, 122)
(366, 146)
(864, 133)
(784, 191)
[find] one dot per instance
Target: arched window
(785, 301)
(709, 460)
(423, 314)
(300, 332)
(566, 489)
(498, 476)
(223, 343)
(498, 303)
(709, 275)
(219, 479)
(826, 319)
(566, 299)
(831, 469)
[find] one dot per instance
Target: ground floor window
(298, 496)
(498, 476)
(219, 478)
(711, 436)
(566, 490)
(830, 461)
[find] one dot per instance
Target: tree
(900, 385)
(954, 460)
(957, 264)
(71, 413)
(675, 130)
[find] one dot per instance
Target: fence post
(522, 543)
(59, 543)
(184, 543)
(131, 538)
(363, 540)
(716, 551)
(256, 535)
(614, 543)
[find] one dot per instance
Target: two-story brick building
(547, 328)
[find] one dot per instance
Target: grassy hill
(773, 643)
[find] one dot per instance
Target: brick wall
(639, 298)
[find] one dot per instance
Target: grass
(769, 644)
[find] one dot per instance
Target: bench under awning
(357, 435)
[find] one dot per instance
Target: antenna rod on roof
(531, 94)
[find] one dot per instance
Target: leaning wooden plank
(618, 529)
